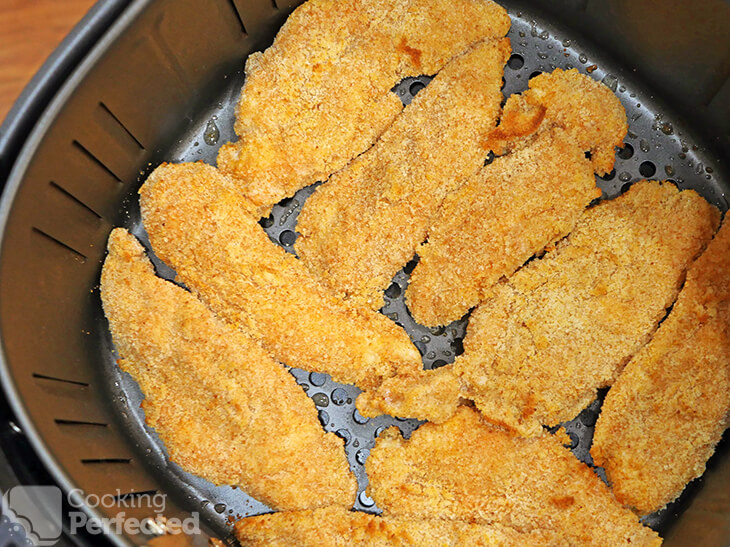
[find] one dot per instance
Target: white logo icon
(37, 509)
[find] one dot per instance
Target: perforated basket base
(658, 146)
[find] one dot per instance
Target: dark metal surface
(150, 93)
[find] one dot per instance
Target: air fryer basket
(161, 85)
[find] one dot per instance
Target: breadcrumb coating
(431, 395)
(336, 527)
(587, 110)
(362, 226)
(224, 409)
(201, 226)
(666, 412)
(468, 470)
(507, 212)
(321, 94)
(565, 325)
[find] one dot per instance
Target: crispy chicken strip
(468, 470)
(666, 412)
(321, 94)
(337, 527)
(563, 326)
(431, 395)
(513, 208)
(586, 109)
(224, 409)
(494, 223)
(362, 226)
(201, 226)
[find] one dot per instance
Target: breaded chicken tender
(321, 94)
(586, 109)
(468, 470)
(509, 211)
(565, 325)
(431, 395)
(362, 226)
(666, 412)
(206, 231)
(336, 527)
(224, 409)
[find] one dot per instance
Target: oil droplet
(321, 399)
(339, 396)
(361, 456)
(669, 170)
(359, 418)
(317, 378)
(583, 58)
(624, 177)
(219, 507)
(212, 133)
(611, 82)
(567, 42)
(344, 434)
(644, 145)
(591, 69)
(365, 500)
(324, 418)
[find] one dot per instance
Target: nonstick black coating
(658, 146)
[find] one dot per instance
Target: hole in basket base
(516, 62)
(647, 169)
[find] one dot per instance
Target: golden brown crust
(563, 326)
(506, 213)
(200, 225)
(465, 469)
(321, 94)
(666, 412)
(363, 225)
(335, 527)
(587, 110)
(431, 395)
(224, 409)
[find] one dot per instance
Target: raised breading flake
(321, 94)
(468, 470)
(666, 412)
(225, 410)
